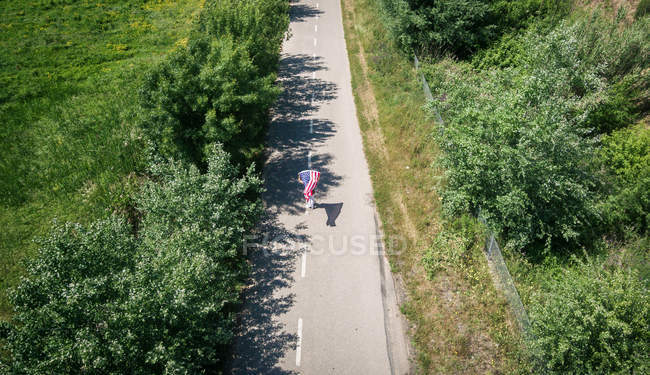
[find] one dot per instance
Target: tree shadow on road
(295, 130)
(262, 341)
(302, 12)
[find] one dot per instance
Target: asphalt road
(321, 299)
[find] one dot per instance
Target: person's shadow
(333, 210)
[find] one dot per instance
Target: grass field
(69, 76)
(458, 322)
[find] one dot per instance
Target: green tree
(69, 305)
(520, 156)
(102, 300)
(209, 91)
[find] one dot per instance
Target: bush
(592, 320)
(509, 51)
(626, 154)
(514, 148)
(69, 305)
(209, 91)
(220, 87)
(436, 28)
(245, 21)
(616, 109)
(510, 14)
(611, 46)
(433, 28)
(520, 142)
(102, 300)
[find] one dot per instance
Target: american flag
(309, 178)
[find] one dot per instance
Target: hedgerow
(520, 157)
(209, 91)
(101, 299)
(539, 138)
(245, 21)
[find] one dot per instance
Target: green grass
(69, 76)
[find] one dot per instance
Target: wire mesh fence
(500, 274)
(503, 280)
(427, 93)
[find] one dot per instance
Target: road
(322, 298)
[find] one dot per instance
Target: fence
(500, 274)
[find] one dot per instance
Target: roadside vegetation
(458, 321)
(150, 282)
(545, 135)
(69, 78)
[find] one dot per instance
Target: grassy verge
(69, 75)
(458, 323)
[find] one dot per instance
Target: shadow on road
(263, 341)
(301, 12)
(295, 130)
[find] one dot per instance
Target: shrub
(190, 269)
(514, 148)
(509, 51)
(616, 109)
(612, 46)
(592, 320)
(245, 21)
(220, 87)
(68, 306)
(520, 142)
(609, 47)
(209, 91)
(458, 27)
(519, 14)
(102, 300)
(461, 27)
(626, 154)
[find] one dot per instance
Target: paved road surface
(322, 299)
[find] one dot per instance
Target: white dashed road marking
(299, 344)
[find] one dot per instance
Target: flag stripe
(311, 184)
